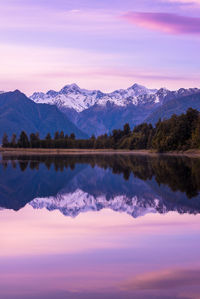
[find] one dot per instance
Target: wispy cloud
(165, 22)
(88, 42)
(189, 2)
(160, 280)
(34, 18)
(29, 68)
(188, 6)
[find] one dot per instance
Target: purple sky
(104, 252)
(107, 44)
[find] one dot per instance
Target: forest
(177, 133)
(178, 173)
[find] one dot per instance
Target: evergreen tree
(195, 141)
(37, 136)
(177, 133)
(14, 140)
(56, 135)
(48, 137)
(127, 129)
(33, 141)
(48, 141)
(62, 136)
(5, 142)
(23, 140)
(72, 136)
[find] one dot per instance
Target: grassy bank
(41, 151)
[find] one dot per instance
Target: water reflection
(101, 253)
(73, 184)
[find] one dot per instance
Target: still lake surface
(90, 227)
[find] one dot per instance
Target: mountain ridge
(155, 184)
(73, 97)
(97, 113)
(18, 113)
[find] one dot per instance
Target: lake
(99, 226)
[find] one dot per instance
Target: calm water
(90, 227)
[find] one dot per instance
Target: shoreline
(40, 151)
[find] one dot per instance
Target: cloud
(191, 2)
(33, 17)
(165, 22)
(30, 68)
(186, 5)
(162, 280)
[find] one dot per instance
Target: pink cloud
(165, 22)
(163, 279)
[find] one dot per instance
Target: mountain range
(87, 112)
(95, 112)
(17, 113)
(72, 96)
(84, 187)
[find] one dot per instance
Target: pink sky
(54, 253)
(102, 45)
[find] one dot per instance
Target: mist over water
(99, 226)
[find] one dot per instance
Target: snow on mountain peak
(52, 93)
(141, 90)
(70, 88)
(72, 96)
(72, 204)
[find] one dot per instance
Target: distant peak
(16, 91)
(136, 86)
(15, 94)
(163, 89)
(52, 93)
(71, 86)
(140, 90)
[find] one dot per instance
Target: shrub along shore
(179, 133)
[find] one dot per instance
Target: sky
(99, 44)
(102, 253)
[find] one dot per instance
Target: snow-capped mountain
(72, 204)
(73, 97)
(79, 201)
(17, 112)
(95, 112)
(77, 184)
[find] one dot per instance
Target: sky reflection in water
(98, 254)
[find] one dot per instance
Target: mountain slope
(73, 97)
(99, 120)
(18, 113)
(85, 187)
(103, 119)
(175, 106)
(95, 112)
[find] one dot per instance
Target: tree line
(177, 133)
(178, 173)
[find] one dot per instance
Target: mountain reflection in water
(73, 184)
(102, 253)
